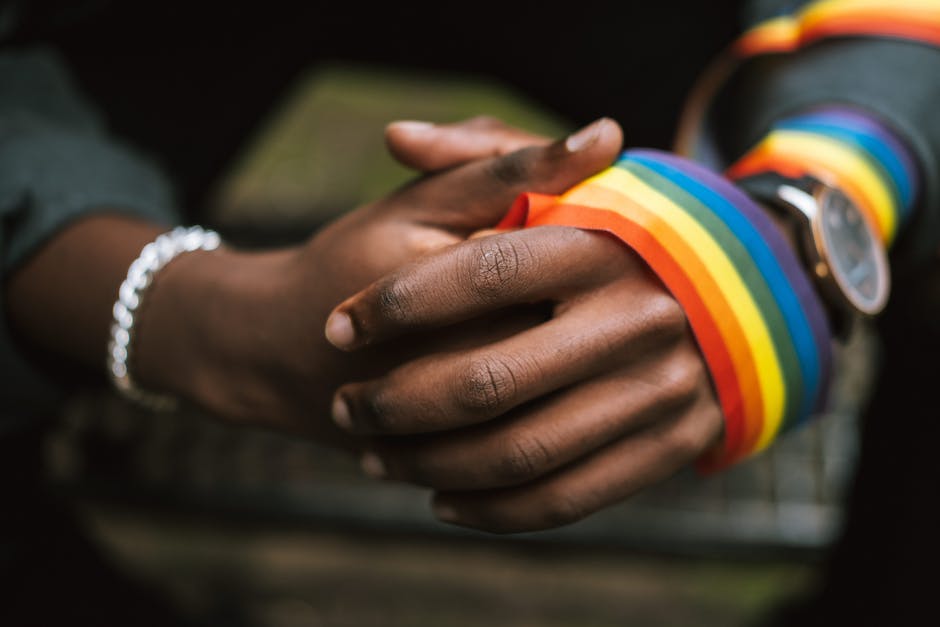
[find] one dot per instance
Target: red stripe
(539, 210)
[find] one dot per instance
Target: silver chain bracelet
(153, 257)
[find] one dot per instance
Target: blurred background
(242, 526)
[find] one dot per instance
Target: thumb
(428, 147)
(477, 195)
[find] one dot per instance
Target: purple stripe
(885, 135)
(781, 249)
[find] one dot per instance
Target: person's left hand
(602, 396)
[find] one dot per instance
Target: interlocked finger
(476, 277)
(540, 437)
(592, 483)
(477, 194)
(460, 388)
(431, 147)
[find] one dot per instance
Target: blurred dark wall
(189, 81)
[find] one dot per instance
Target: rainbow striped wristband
(849, 150)
(812, 24)
(916, 20)
(758, 322)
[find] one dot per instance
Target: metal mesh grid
(787, 498)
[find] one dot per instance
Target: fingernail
(413, 126)
(585, 137)
(373, 466)
(339, 330)
(341, 414)
(444, 512)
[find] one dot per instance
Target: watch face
(853, 253)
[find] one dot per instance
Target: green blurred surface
(323, 153)
(286, 577)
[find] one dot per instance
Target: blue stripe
(779, 284)
(877, 151)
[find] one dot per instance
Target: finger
(543, 436)
(478, 276)
(488, 232)
(601, 479)
(452, 390)
(429, 147)
(476, 195)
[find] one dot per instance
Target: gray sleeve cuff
(896, 81)
(50, 177)
(56, 165)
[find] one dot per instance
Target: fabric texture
(898, 87)
(57, 164)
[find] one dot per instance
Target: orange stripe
(778, 36)
(874, 15)
(885, 25)
(720, 310)
(712, 318)
(788, 34)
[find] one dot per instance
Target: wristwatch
(839, 247)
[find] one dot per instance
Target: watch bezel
(816, 247)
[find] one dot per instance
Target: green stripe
(750, 273)
(850, 139)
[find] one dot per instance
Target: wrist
(838, 247)
(205, 328)
(848, 149)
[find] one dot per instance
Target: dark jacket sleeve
(57, 164)
(897, 81)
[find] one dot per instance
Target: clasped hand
(579, 384)
(528, 377)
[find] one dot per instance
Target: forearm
(59, 167)
(219, 328)
(60, 299)
(205, 320)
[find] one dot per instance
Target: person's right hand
(241, 333)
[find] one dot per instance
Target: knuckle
(562, 507)
(486, 385)
(687, 377)
(498, 265)
(665, 316)
(396, 406)
(394, 301)
(524, 458)
(380, 410)
(688, 440)
(513, 169)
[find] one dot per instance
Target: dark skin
(604, 396)
(239, 333)
(529, 377)
(563, 418)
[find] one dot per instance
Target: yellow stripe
(842, 161)
(725, 274)
(785, 31)
(824, 9)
